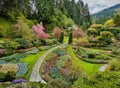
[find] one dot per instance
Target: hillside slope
(102, 16)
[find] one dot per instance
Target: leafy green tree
(22, 29)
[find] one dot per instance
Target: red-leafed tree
(39, 30)
(78, 33)
(57, 32)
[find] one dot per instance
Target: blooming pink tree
(39, 30)
(57, 32)
(78, 33)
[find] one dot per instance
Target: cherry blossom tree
(40, 32)
(57, 32)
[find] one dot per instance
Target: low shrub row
(93, 56)
(19, 56)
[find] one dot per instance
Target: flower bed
(22, 69)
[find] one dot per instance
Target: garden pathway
(35, 75)
(103, 68)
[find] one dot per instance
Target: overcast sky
(97, 5)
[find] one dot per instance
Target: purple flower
(19, 81)
(1, 51)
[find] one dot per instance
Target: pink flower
(39, 30)
(1, 51)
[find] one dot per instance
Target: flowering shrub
(2, 51)
(39, 30)
(19, 81)
(22, 69)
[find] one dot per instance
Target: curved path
(35, 76)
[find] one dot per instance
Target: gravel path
(103, 68)
(35, 76)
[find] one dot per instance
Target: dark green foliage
(37, 43)
(10, 76)
(2, 77)
(23, 43)
(57, 83)
(51, 41)
(36, 85)
(61, 37)
(70, 38)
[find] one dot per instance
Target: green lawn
(89, 68)
(65, 39)
(31, 60)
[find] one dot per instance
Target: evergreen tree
(61, 37)
(70, 38)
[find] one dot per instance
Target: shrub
(37, 43)
(59, 51)
(116, 51)
(50, 41)
(70, 38)
(79, 33)
(39, 30)
(15, 57)
(33, 51)
(41, 48)
(2, 76)
(37, 85)
(10, 76)
(114, 65)
(62, 60)
(20, 85)
(19, 81)
(99, 80)
(91, 54)
(8, 67)
(23, 43)
(54, 72)
(57, 32)
(11, 45)
(92, 32)
(22, 69)
(57, 83)
(61, 37)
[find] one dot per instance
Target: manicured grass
(31, 60)
(65, 40)
(89, 68)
